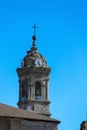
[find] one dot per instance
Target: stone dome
(33, 58)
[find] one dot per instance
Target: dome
(33, 58)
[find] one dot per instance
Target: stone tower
(83, 125)
(33, 81)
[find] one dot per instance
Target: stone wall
(38, 125)
(20, 124)
(15, 124)
(10, 123)
(4, 124)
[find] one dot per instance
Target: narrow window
(23, 93)
(38, 91)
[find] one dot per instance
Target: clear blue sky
(61, 38)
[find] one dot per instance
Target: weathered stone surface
(33, 89)
(22, 124)
(10, 124)
(35, 71)
(4, 124)
(30, 125)
(29, 59)
(15, 124)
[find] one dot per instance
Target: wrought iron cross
(35, 27)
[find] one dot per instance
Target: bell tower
(34, 81)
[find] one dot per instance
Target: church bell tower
(34, 81)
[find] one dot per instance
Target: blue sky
(61, 38)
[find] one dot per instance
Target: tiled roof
(9, 111)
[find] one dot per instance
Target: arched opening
(22, 93)
(38, 91)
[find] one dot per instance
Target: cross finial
(35, 27)
(34, 39)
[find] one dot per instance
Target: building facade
(12, 118)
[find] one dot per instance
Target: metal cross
(35, 27)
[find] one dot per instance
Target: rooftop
(9, 111)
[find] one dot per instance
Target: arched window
(23, 91)
(38, 91)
